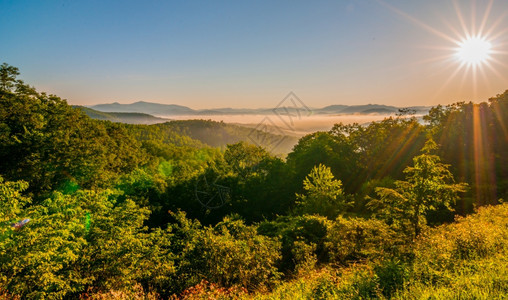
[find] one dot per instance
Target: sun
(474, 51)
(474, 46)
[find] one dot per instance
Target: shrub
(137, 292)
(391, 276)
(465, 259)
(304, 256)
(74, 242)
(230, 253)
(206, 290)
(325, 288)
(356, 239)
(477, 236)
(359, 282)
(297, 234)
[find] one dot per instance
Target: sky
(251, 54)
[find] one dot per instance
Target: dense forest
(214, 134)
(398, 208)
(122, 117)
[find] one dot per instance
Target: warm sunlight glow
(475, 43)
(474, 51)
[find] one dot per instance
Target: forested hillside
(92, 208)
(220, 134)
(122, 117)
(211, 133)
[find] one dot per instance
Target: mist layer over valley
(286, 118)
(293, 125)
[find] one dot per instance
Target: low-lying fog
(295, 125)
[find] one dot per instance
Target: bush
(462, 260)
(477, 236)
(359, 282)
(357, 239)
(230, 253)
(206, 290)
(391, 276)
(297, 234)
(137, 292)
(74, 242)
(304, 256)
(325, 288)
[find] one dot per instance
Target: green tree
(243, 158)
(47, 143)
(428, 185)
(332, 149)
(323, 193)
(12, 204)
(8, 77)
(87, 240)
(382, 148)
(11, 200)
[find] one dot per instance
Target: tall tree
(428, 185)
(323, 193)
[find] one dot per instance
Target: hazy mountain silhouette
(122, 117)
(159, 109)
(145, 107)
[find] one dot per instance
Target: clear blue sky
(206, 54)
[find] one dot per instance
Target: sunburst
(474, 47)
(474, 50)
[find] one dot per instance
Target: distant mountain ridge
(122, 117)
(144, 107)
(158, 109)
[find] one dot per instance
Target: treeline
(220, 134)
(110, 206)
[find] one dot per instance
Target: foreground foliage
(101, 210)
(467, 259)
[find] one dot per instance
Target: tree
(47, 143)
(428, 185)
(330, 148)
(324, 193)
(11, 200)
(383, 148)
(12, 203)
(7, 77)
(243, 158)
(79, 241)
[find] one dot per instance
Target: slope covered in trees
(92, 208)
(122, 117)
(220, 134)
(211, 133)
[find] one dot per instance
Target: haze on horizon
(228, 54)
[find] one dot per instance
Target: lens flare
(474, 50)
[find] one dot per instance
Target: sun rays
(473, 47)
(471, 55)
